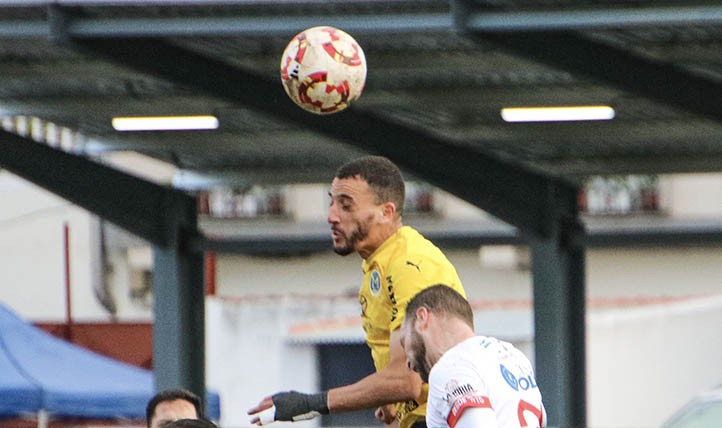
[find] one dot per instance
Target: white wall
(645, 363)
(248, 354)
(309, 202)
(326, 273)
(692, 195)
(680, 271)
(239, 275)
(32, 250)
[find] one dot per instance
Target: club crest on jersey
(375, 283)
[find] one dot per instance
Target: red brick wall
(128, 342)
(31, 422)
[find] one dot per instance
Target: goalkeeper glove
(297, 406)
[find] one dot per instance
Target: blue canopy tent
(41, 373)
(18, 395)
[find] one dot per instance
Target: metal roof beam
(81, 27)
(525, 199)
(593, 19)
(483, 20)
(144, 209)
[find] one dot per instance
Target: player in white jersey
(474, 381)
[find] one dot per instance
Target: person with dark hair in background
(189, 423)
(170, 405)
(365, 214)
(474, 381)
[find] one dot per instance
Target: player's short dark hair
(172, 394)
(443, 300)
(189, 423)
(383, 177)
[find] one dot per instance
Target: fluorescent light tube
(165, 123)
(556, 114)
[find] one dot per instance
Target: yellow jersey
(403, 265)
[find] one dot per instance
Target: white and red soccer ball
(323, 70)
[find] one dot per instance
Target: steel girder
(145, 209)
(569, 18)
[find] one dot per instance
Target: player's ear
(422, 316)
(388, 211)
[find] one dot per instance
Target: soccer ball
(323, 70)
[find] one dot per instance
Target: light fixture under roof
(557, 114)
(164, 123)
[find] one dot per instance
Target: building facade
(651, 308)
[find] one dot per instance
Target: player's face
(352, 214)
(415, 350)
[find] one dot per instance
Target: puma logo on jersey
(414, 265)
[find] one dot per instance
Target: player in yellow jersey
(367, 199)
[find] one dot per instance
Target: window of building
(620, 195)
(253, 202)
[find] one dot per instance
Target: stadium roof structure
(439, 70)
(439, 73)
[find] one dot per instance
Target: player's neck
(455, 331)
(450, 332)
(380, 234)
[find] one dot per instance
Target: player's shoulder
(477, 349)
(413, 246)
(457, 367)
(412, 238)
(409, 249)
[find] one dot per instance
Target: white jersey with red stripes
(484, 382)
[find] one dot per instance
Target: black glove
(297, 406)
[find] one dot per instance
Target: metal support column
(178, 306)
(558, 276)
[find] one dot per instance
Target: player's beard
(418, 349)
(359, 233)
